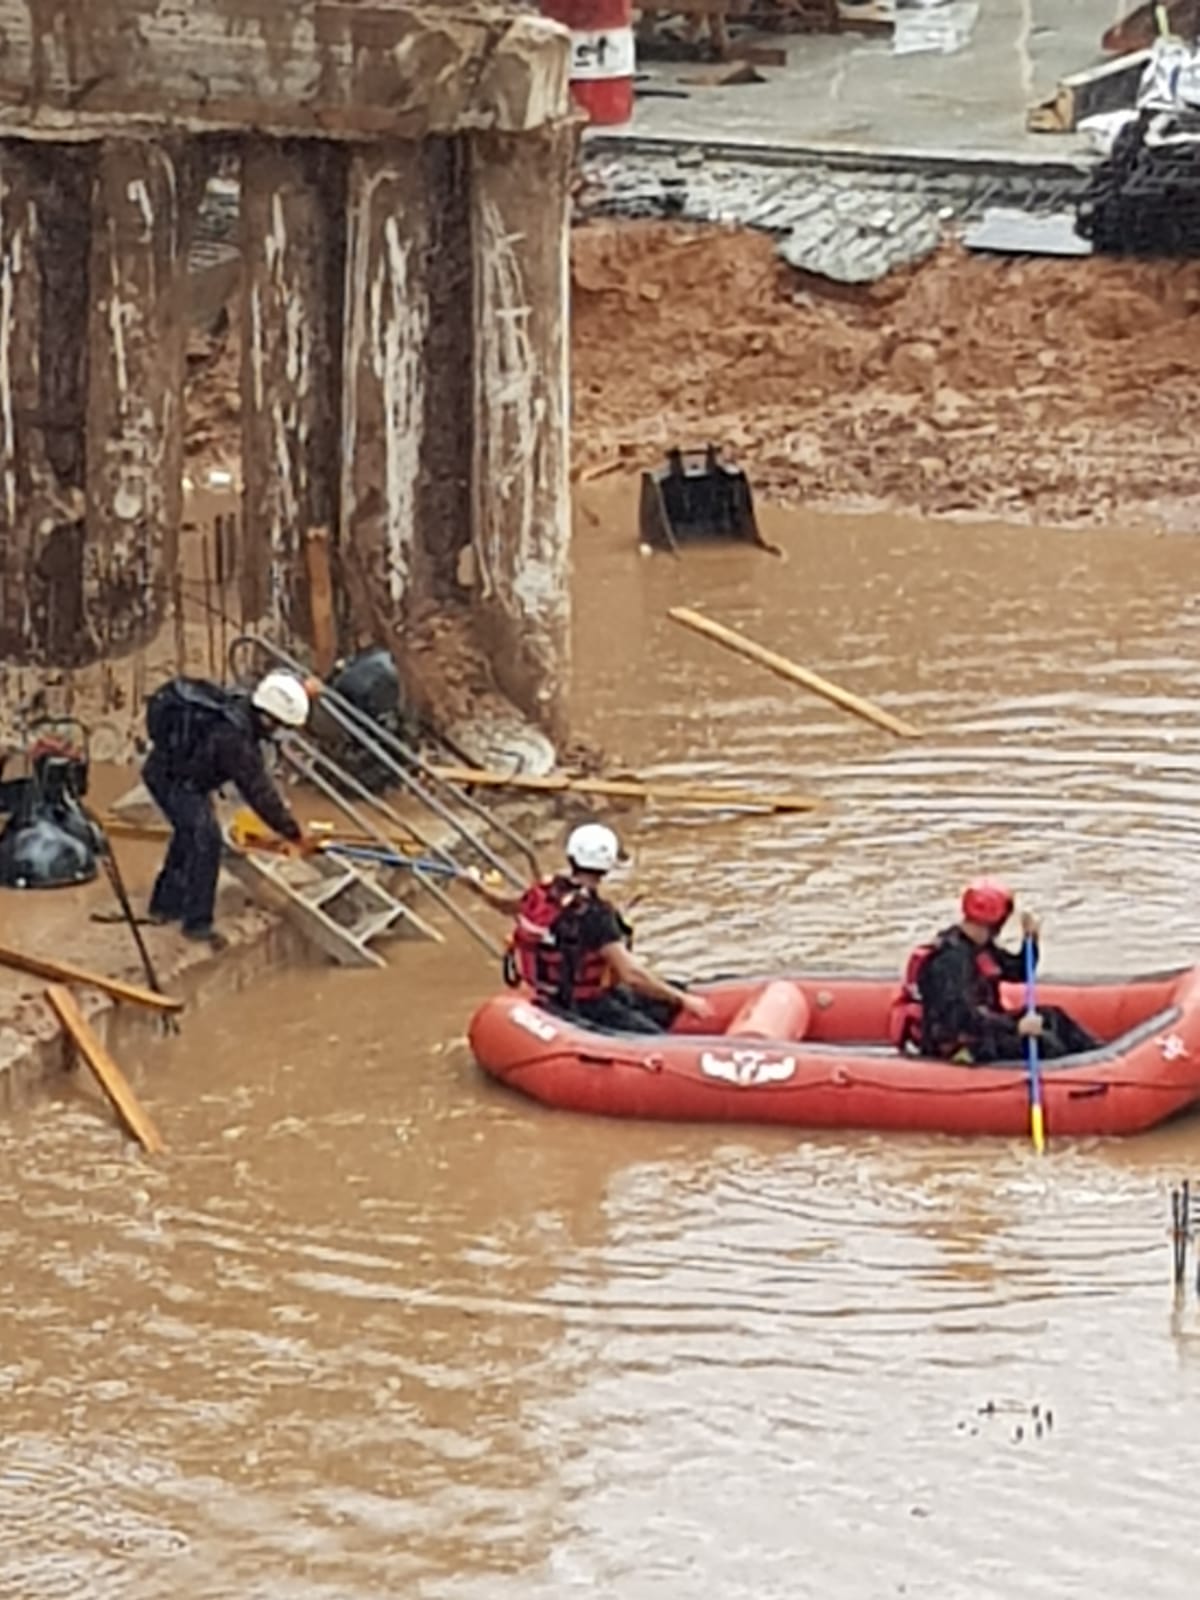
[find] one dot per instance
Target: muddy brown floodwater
(374, 1328)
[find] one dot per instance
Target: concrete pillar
(385, 372)
(44, 237)
(292, 252)
(521, 526)
(136, 354)
(20, 318)
(445, 497)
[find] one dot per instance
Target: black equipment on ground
(371, 683)
(48, 841)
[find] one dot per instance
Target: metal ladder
(339, 907)
(347, 937)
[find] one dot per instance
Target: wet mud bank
(34, 1056)
(1033, 390)
(62, 925)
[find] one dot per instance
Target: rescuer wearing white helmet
(202, 737)
(593, 848)
(572, 949)
(282, 698)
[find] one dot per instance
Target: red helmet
(988, 902)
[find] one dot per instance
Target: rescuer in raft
(203, 737)
(572, 948)
(950, 1004)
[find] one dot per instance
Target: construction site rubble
(848, 225)
(1143, 198)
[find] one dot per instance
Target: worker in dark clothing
(203, 737)
(572, 948)
(950, 1006)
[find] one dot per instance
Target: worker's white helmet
(593, 848)
(282, 696)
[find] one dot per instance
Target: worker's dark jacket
(960, 999)
(203, 738)
(224, 747)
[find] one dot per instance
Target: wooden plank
(629, 789)
(107, 1073)
(874, 13)
(309, 68)
(320, 599)
(65, 972)
(784, 668)
(157, 833)
(1112, 86)
(599, 469)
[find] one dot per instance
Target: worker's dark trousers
(1061, 1036)
(186, 888)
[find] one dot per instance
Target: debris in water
(697, 495)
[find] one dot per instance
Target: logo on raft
(1173, 1047)
(526, 1017)
(745, 1068)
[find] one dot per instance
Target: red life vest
(544, 947)
(907, 1013)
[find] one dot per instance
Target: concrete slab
(1005, 231)
(851, 91)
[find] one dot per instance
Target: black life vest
(906, 1016)
(545, 950)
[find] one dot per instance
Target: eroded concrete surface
(850, 91)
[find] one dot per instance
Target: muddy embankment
(1056, 391)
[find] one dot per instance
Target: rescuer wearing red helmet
(950, 1005)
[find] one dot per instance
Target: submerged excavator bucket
(696, 496)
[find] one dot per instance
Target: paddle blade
(1037, 1128)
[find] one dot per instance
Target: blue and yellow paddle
(1037, 1120)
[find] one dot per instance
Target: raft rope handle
(839, 1076)
(651, 1063)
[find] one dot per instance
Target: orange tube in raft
(779, 1010)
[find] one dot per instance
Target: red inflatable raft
(809, 1051)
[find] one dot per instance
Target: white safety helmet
(593, 848)
(283, 697)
